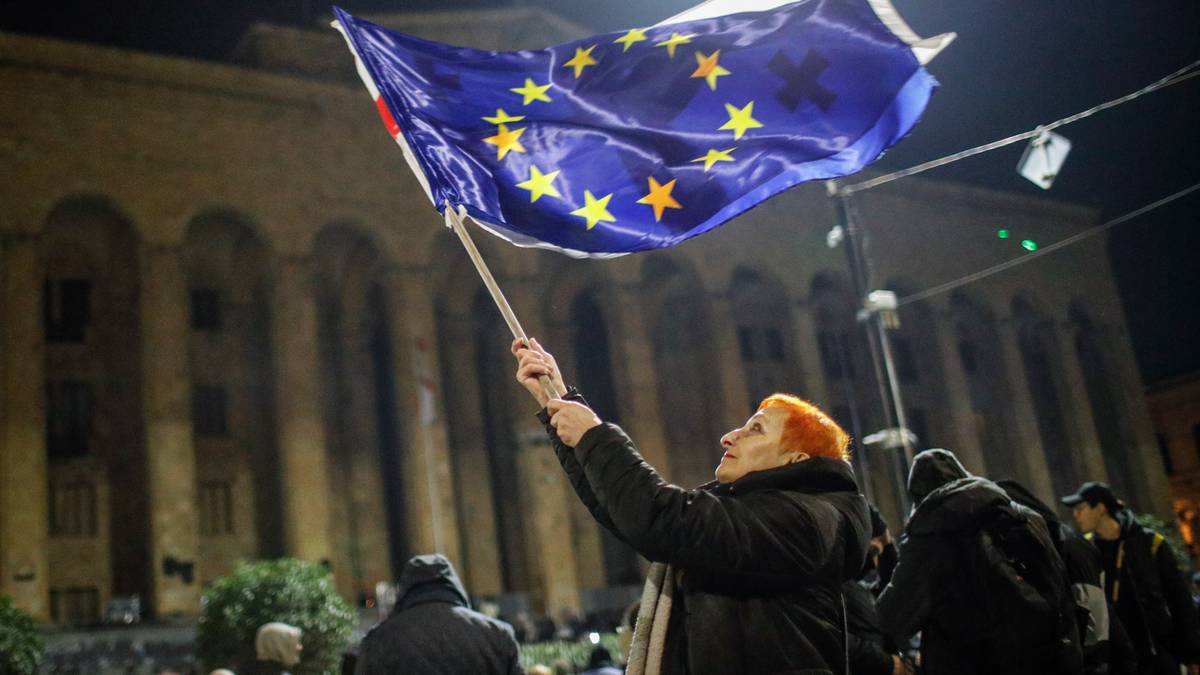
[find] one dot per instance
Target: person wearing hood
(947, 583)
(1142, 580)
(1106, 646)
(433, 630)
(747, 570)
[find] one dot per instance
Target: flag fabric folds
(642, 138)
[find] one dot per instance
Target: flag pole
(454, 220)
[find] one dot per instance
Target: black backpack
(1018, 615)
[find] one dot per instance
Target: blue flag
(640, 139)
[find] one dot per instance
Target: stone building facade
(1175, 411)
(232, 327)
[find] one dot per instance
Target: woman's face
(755, 446)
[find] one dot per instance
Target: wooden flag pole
(454, 220)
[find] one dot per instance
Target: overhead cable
(1009, 264)
(1174, 78)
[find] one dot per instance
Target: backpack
(1020, 613)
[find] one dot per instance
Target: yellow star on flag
(740, 120)
(660, 198)
(503, 117)
(594, 210)
(674, 41)
(506, 140)
(582, 59)
(532, 92)
(628, 39)
(715, 156)
(539, 184)
(709, 69)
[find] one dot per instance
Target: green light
(1029, 245)
(1003, 234)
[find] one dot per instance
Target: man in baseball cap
(1142, 579)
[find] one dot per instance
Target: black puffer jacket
(930, 591)
(433, 629)
(760, 561)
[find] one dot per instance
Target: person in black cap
(1142, 580)
(1106, 646)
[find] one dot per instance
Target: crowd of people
(780, 565)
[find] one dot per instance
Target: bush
(20, 640)
(1170, 530)
(287, 590)
(576, 653)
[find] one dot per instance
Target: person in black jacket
(1142, 580)
(871, 650)
(433, 630)
(750, 566)
(1106, 645)
(937, 591)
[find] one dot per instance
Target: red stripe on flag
(386, 116)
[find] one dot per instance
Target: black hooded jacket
(433, 629)
(760, 561)
(929, 591)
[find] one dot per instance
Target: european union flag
(643, 138)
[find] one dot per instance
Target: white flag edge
(924, 49)
(373, 89)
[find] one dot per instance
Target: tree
(292, 591)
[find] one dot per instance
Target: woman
(748, 568)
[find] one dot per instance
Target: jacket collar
(817, 474)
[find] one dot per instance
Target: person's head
(931, 469)
(539, 669)
(784, 430)
(221, 671)
(278, 642)
(1091, 504)
(600, 657)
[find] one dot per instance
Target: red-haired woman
(748, 568)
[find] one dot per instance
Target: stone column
(545, 492)
(476, 508)
(429, 492)
(301, 429)
(635, 376)
(1032, 457)
(24, 566)
(170, 456)
(967, 443)
(1078, 413)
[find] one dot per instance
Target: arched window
(762, 319)
(1037, 343)
(979, 354)
(493, 367)
(593, 368)
(93, 395)
(1103, 399)
(688, 386)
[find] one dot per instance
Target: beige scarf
(650, 633)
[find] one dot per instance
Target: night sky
(1015, 65)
